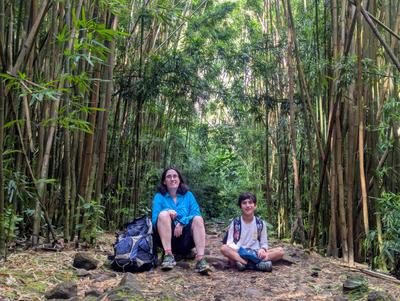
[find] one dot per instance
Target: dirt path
(27, 275)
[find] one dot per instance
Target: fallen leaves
(28, 274)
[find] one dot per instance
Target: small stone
(84, 261)
(354, 283)
(253, 293)
(130, 281)
(287, 260)
(82, 273)
(93, 292)
(314, 274)
(218, 298)
(102, 277)
(218, 263)
(379, 296)
(91, 298)
(64, 290)
(124, 293)
(328, 286)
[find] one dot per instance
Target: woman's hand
(262, 254)
(172, 214)
(178, 230)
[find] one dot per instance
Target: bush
(388, 205)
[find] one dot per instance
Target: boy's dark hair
(245, 196)
(183, 187)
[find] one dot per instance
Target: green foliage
(94, 214)
(386, 255)
(11, 224)
(117, 7)
(388, 206)
(217, 172)
(18, 191)
(391, 110)
(213, 153)
(18, 187)
(360, 290)
(45, 181)
(67, 118)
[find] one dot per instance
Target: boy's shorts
(181, 245)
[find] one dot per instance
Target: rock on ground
(85, 261)
(379, 296)
(64, 290)
(128, 289)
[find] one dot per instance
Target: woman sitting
(177, 221)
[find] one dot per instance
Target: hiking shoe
(240, 266)
(264, 266)
(168, 262)
(202, 266)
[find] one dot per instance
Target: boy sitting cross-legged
(246, 244)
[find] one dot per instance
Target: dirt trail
(27, 275)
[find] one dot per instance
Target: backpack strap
(237, 229)
(260, 226)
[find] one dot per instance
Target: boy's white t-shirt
(248, 236)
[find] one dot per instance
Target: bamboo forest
(295, 101)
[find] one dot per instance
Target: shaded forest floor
(27, 275)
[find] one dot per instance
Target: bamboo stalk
(298, 224)
(27, 46)
(360, 103)
(388, 50)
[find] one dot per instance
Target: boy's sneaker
(202, 266)
(264, 266)
(168, 262)
(240, 266)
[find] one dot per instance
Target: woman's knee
(164, 216)
(197, 221)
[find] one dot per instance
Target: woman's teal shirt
(186, 207)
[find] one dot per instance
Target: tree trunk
(2, 203)
(27, 46)
(267, 192)
(333, 249)
(104, 122)
(350, 167)
(360, 103)
(298, 224)
(41, 186)
(84, 186)
(340, 184)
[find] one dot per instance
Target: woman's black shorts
(181, 245)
